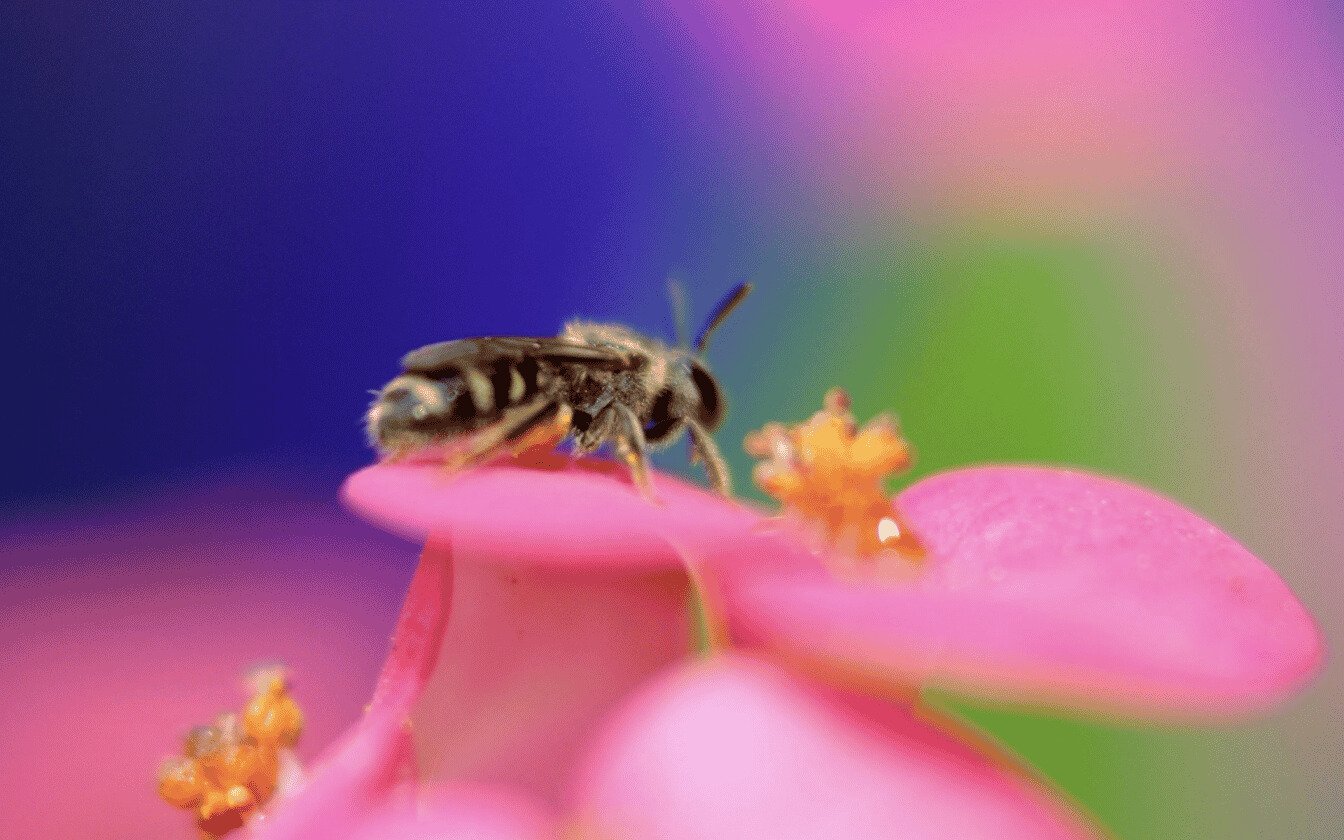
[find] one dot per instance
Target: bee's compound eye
(711, 406)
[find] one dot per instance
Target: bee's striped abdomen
(477, 396)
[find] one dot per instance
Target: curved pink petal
(501, 666)
(498, 674)
(735, 748)
(368, 771)
(532, 659)
(1054, 586)
(504, 668)
(553, 511)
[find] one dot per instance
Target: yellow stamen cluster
(830, 473)
(230, 769)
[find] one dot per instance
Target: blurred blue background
(223, 224)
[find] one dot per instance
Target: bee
(596, 383)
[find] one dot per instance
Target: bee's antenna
(676, 297)
(729, 302)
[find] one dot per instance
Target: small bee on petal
(596, 383)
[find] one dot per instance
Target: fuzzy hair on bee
(595, 383)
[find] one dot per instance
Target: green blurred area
(987, 348)
(1126, 778)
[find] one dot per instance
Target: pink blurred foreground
(121, 629)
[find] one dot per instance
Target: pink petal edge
(499, 670)
(1053, 587)
(418, 637)
(734, 747)
(549, 510)
(503, 669)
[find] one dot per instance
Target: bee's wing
(434, 358)
(449, 354)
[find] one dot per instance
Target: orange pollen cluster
(830, 473)
(228, 770)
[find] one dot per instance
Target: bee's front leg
(708, 451)
(630, 445)
(619, 424)
(599, 430)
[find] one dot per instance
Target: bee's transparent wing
(446, 355)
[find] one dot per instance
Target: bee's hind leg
(520, 428)
(543, 429)
(705, 449)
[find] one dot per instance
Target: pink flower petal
(734, 748)
(532, 657)
(553, 511)
(368, 785)
(514, 643)
(366, 772)
(460, 812)
(1053, 586)
(419, 633)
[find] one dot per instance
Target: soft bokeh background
(1083, 233)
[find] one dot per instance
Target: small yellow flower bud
(830, 474)
(231, 768)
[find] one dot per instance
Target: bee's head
(414, 410)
